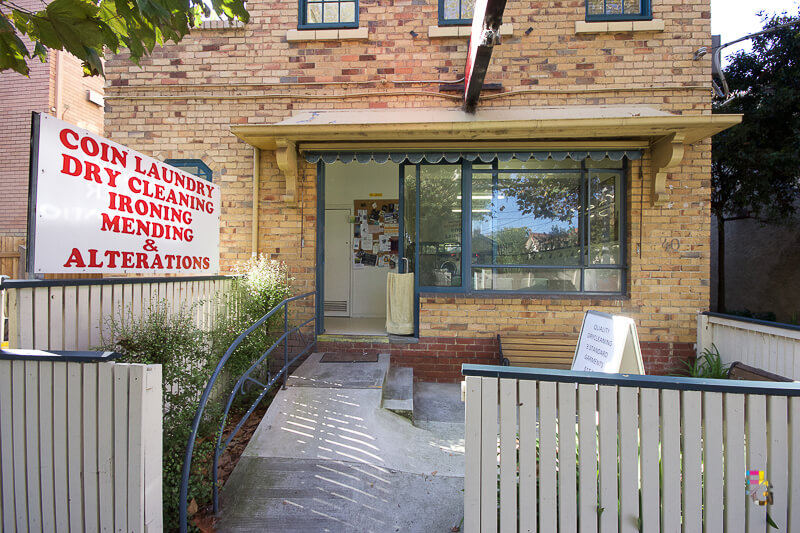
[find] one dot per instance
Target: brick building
(582, 181)
(59, 88)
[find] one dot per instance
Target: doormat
(336, 357)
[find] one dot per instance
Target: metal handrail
(244, 378)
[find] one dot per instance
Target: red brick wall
(439, 359)
(19, 97)
(184, 99)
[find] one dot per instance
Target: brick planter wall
(439, 359)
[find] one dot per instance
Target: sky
(733, 19)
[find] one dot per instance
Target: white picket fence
(80, 446)
(574, 451)
(71, 314)
(768, 346)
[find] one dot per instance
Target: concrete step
(398, 391)
(314, 373)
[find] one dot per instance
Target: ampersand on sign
(150, 245)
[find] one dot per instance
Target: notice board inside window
(376, 233)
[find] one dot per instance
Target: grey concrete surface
(398, 390)
(291, 495)
(438, 402)
(313, 373)
(327, 457)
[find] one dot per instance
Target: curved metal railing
(245, 378)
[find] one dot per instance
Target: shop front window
(530, 226)
(547, 226)
(440, 215)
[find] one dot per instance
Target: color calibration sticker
(758, 488)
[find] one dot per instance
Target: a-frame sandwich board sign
(608, 344)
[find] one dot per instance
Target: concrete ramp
(327, 457)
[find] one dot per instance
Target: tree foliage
(87, 28)
(755, 164)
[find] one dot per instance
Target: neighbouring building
(56, 87)
(336, 132)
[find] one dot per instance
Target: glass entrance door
(431, 200)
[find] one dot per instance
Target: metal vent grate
(336, 306)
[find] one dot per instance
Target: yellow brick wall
(184, 99)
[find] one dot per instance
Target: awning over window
(454, 157)
(444, 134)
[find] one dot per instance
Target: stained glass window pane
(613, 7)
(331, 13)
(633, 7)
(451, 9)
(348, 12)
(313, 13)
(467, 8)
(595, 7)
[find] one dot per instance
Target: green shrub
(708, 365)
(261, 284)
(189, 356)
(163, 337)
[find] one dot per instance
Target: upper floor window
(328, 14)
(599, 10)
(456, 12)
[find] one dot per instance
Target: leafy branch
(89, 28)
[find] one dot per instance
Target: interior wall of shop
(345, 183)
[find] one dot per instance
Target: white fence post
(59, 315)
(771, 347)
(60, 469)
(671, 455)
(704, 334)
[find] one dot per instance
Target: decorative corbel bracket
(667, 153)
(286, 155)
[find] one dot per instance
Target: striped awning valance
(454, 157)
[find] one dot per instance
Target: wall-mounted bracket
(667, 153)
(286, 155)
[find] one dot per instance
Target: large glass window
(440, 241)
(546, 226)
(328, 14)
(456, 12)
(530, 227)
(617, 9)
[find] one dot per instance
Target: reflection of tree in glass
(603, 220)
(511, 246)
(550, 196)
(440, 199)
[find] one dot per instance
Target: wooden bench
(537, 351)
(739, 370)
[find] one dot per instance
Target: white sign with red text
(101, 207)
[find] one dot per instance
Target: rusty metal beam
(486, 21)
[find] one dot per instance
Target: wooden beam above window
(573, 128)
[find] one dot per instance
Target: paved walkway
(327, 457)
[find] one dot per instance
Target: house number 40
(671, 245)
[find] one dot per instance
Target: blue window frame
(610, 10)
(195, 167)
(320, 14)
(517, 227)
(456, 12)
